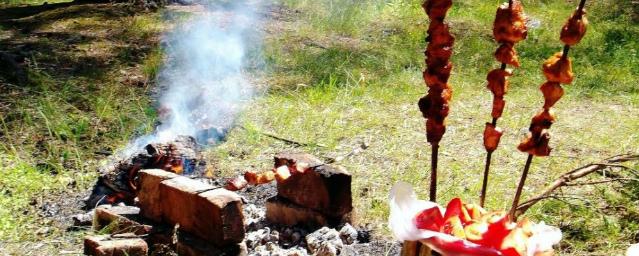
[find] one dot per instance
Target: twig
(575, 174)
(288, 141)
(600, 182)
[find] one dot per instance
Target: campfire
(162, 198)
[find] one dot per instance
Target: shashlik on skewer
(509, 28)
(558, 70)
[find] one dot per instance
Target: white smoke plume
(203, 82)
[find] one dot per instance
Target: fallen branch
(287, 141)
(567, 178)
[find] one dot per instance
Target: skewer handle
(433, 173)
(520, 187)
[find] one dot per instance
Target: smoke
(203, 83)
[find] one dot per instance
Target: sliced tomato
(496, 233)
(430, 219)
(456, 208)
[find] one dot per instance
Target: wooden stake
(520, 187)
(484, 185)
(433, 173)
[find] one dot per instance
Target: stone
(325, 188)
(120, 219)
(123, 245)
(326, 249)
(197, 247)
(324, 241)
(83, 219)
(348, 234)
(149, 192)
(281, 211)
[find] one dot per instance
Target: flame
(176, 166)
(114, 198)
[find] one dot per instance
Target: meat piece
(575, 28)
(498, 107)
(434, 131)
(282, 173)
(435, 104)
(492, 135)
(510, 23)
(447, 93)
(424, 105)
(437, 75)
(436, 9)
(527, 143)
(542, 120)
(251, 177)
(254, 178)
(506, 53)
(439, 35)
(542, 148)
(558, 69)
(497, 82)
(537, 145)
(552, 93)
(236, 183)
(437, 56)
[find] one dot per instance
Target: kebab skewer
(508, 29)
(558, 70)
(435, 105)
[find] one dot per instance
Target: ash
(268, 239)
(263, 239)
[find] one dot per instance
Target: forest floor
(340, 74)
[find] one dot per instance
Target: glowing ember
(279, 174)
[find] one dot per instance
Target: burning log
(117, 181)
